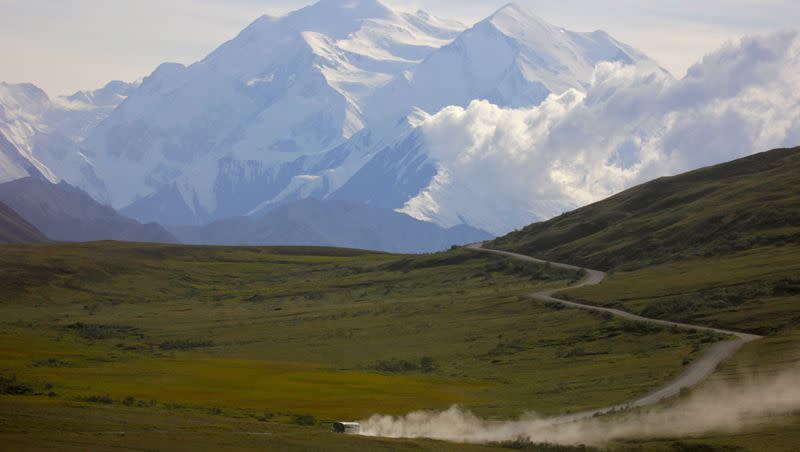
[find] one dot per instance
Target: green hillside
(715, 211)
(717, 246)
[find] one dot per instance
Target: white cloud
(501, 168)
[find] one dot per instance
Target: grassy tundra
(207, 341)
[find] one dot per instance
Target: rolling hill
(712, 211)
(14, 228)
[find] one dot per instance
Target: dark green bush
(426, 364)
(395, 365)
(101, 399)
(96, 331)
(51, 362)
(305, 419)
(185, 344)
(10, 386)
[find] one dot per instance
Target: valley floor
(307, 336)
(161, 347)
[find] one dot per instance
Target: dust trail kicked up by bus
(719, 407)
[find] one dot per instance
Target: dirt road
(693, 375)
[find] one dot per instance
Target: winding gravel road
(693, 375)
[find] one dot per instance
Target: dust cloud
(715, 407)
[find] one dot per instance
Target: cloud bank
(504, 168)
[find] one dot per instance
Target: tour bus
(346, 427)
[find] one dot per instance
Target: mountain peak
(512, 15)
(336, 18)
(24, 98)
(334, 10)
(351, 4)
(510, 8)
(109, 95)
(24, 89)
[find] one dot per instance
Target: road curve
(693, 375)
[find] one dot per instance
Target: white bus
(346, 427)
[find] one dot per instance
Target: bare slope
(14, 228)
(332, 223)
(65, 213)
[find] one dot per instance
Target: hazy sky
(66, 45)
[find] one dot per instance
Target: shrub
(640, 328)
(101, 399)
(184, 344)
(572, 353)
(51, 362)
(305, 419)
(395, 365)
(94, 331)
(10, 386)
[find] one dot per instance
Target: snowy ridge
(21, 109)
(42, 135)
(512, 59)
(283, 91)
(289, 98)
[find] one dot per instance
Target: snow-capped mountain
(254, 187)
(78, 114)
(324, 102)
(512, 59)
(284, 88)
(21, 109)
(14, 164)
(396, 174)
(297, 105)
(40, 137)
